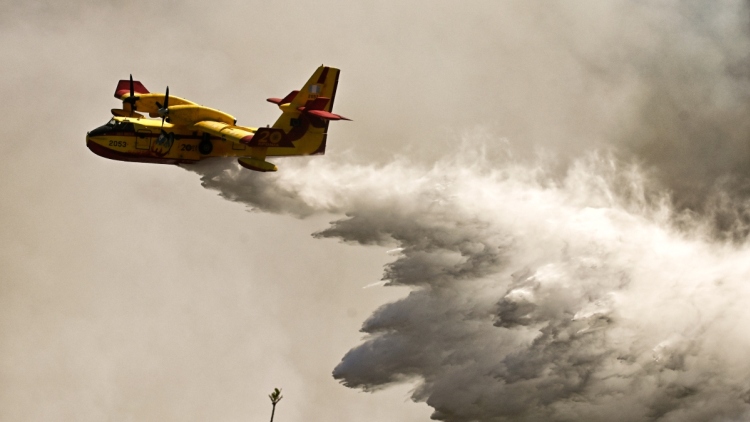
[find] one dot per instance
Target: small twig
(275, 397)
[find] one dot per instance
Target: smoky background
(130, 292)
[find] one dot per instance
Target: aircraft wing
(263, 137)
(225, 131)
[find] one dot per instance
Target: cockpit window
(117, 126)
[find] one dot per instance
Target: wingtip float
(181, 131)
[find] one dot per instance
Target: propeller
(163, 110)
(132, 98)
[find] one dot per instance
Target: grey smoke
(596, 286)
(686, 69)
(534, 298)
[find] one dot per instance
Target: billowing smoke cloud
(602, 291)
(533, 297)
(684, 71)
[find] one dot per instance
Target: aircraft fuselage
(142, 140)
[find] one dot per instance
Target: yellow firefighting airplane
(189, 132)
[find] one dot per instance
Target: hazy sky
(131, 292)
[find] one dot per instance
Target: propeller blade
(163, 110)
(131, 98)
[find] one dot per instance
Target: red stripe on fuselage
(156, 135)
(121, 156)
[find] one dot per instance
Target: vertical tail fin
(307, 112)
(322, 84)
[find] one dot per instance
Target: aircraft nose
(101, 130)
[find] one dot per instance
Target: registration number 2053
(121, 144)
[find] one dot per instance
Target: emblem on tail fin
(315, 90)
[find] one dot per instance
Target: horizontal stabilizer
(326, 115)
(319, 103)
(285, 100)
(123, 87)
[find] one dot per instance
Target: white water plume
(533, 297)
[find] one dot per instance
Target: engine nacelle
(191, 114)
